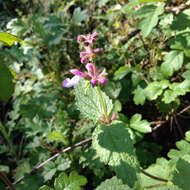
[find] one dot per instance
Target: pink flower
(88, 39)
(86, 55)
(92, 75)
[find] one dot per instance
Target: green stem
(103, 104)
(6, 136)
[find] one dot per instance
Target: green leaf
(88, 101)
(149, 18)
(180, 175)
(79, 16)
(113, 184)
(112, 89)
(186, 75)
(173, 61)
(187, 136)
(139, 95)
(181, 42)
(56, 135)
(6, 83)
(114, 147)
(71, 182)
(122, 72)
(155, 89)
(142, 126)
(9, 39)
(176, 89)
(30, 182)
(45, 188)
(159, 169)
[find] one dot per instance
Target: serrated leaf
(176, 89)
(139, 95)
(180, 176)
(159, 169)
(48, 175)
(9, 39)
(142, 126)
(88, 101)
(173, 61)
(6, 83)
(113, 184)
(73, 182)
(114, 147)
(149, 17)
(155, 89)
(56, 135)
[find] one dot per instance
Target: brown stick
(5, 179)
(179, 8)
(83, 142)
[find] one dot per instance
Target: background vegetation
(146, 55)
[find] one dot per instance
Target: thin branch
(5, 179)
(184, 110)
(83, 142)
(179, 127)
(153, 177)
(157, 124)
(179, 8)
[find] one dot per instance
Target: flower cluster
(87, 56)
(92, 74)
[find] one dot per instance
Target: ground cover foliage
(131, 133)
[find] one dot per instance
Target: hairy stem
(103, 104)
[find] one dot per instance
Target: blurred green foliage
(146, 55)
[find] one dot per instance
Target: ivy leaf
(149, 17)
(142, 126)
(6, 83)
(155, 89)
(173, 62)
(71, 182)
(88, 101)
(181, 173)
(114, 147)
(9, 39)
(113, 183)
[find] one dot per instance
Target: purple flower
(71, 82)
